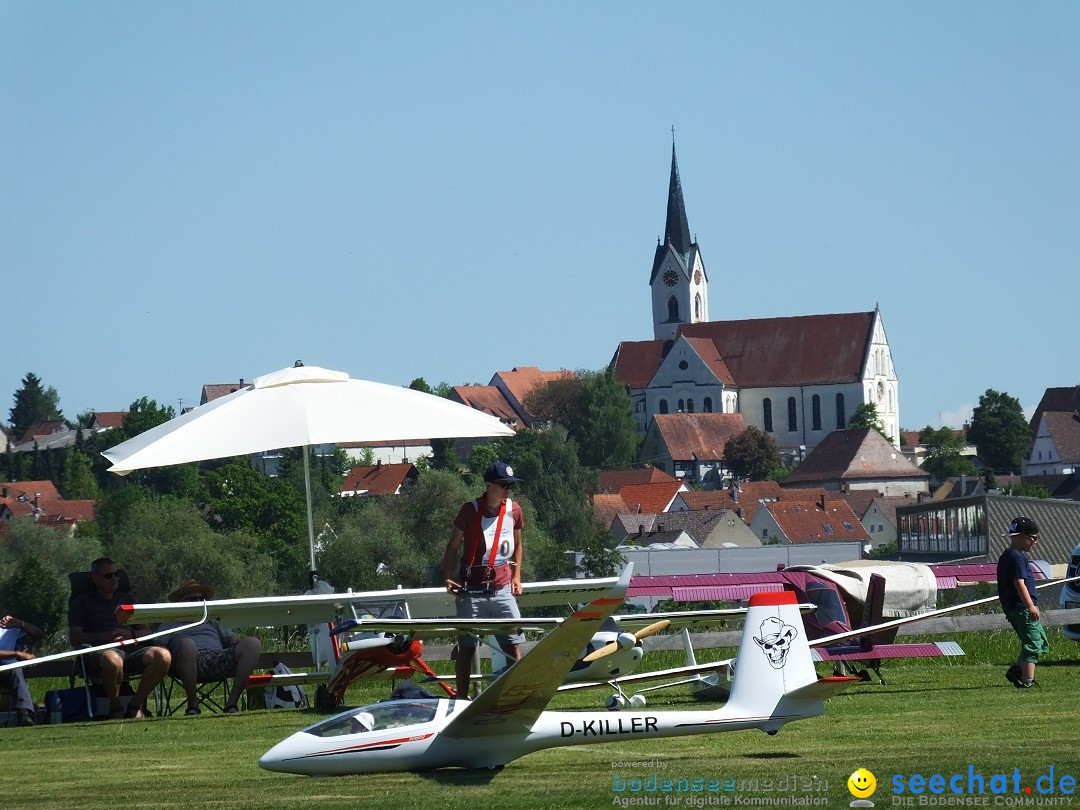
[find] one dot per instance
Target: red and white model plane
(775, 684)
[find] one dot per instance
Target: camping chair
(82, 583)
(213, 694)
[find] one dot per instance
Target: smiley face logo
(861, 783)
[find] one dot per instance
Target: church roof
(676, 228)
(854, 454)
(801, 350)
(762, 352)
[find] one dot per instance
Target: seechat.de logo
(862, 785)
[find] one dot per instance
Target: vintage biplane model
(775, 684)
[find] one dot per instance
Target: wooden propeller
(630, 640)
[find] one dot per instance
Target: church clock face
(697, 276)
(671, 278)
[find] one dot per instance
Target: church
(796, 378)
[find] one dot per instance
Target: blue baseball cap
(500, 471)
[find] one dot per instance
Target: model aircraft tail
(774, 673)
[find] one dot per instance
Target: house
(487, 399)
(107, 420)
(708, 528)
(378, 479)
(402, 451)
(1056, 447)
(877, 513)
(41, 501)
(606, 507)
(858, 458)
(797, 379)
(915, 451)
(611, 481)
(45, 435)
(827, 520)
(651, 498)
(935, 531)
(691, 445)
(505, 395)
(217, 390)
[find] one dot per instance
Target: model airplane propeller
(627, 640)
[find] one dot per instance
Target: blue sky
(196, 192)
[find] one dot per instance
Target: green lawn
(936, 717)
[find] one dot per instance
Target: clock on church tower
(671, 278)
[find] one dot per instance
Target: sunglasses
(505, 484)
(110, 575)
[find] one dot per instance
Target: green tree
(606, 434)
(557, 402)
(164, 541)
(77, 481)
(36, 593)
(943, 458)
(752, 455)
(999, 431)
(33, 403)
(866, 416)
(57, 549)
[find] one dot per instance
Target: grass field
(933, 717)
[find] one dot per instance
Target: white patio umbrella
(300, 407)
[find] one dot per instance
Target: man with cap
(208, 652)
(1019, 601)
(487, 537)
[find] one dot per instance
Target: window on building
(682, 406)
(848, 526)
(792, 415)
(841, 417)
(689, 406)
(697, 307)
(828, 528)
(707, 407)
(663, 406)
(766, 414)
(673, 309)
(815, 405)
(764, 534)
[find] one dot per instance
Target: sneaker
(1013, 675)
(193, 711)
(1025, 683)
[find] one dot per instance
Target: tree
(77, 481)
(752, 455)
(37, 594)
(606, 434)
(943, 448)
(999, 431)
(557, 402)
(33, 403)
(866, 416)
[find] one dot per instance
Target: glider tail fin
(774, 673)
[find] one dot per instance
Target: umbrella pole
(310, 517)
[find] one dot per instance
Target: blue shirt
(1013, 565)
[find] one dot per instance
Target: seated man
(208, 652)
(92, 620)
(12, 632)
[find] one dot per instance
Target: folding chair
(212, 694)
(82, 583)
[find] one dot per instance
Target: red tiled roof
(712, 358)
(212, 392)
(697, 500)
(41, 500)
(805, 522)
(636, 362)
(110, 419)
(650, 497)
(606, 507)
(614, 480)
(698, 435)
(486, 398)
(522, 380)
(1066, 400)
(43, 428)
(377, 479)
(1065, 431)
(853, 454)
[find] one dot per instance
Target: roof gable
(1064, 429)
(485, 398)
(651, 498)
(377, 479)
(612, 481)
(860, 453)
(217, 390)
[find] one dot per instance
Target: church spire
(676, 231)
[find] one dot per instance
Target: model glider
(775, 684)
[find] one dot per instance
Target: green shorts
(1033, 643)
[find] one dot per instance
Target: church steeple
(676, 231)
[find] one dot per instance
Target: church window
(689, 406)
(682, 406)
(841, 417)
(792, 415)
(766, 414)
(683, 365)
(708, 405)
(697, 307)
(673, 309)
(815, 404)
(663, 406)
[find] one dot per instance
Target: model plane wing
(515, 700)
(424, 603)
(882, 651)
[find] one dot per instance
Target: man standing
(1020, 602)
(92, 620)
(489, 574)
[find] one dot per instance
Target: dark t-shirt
(1013, 565)
(94, 614)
